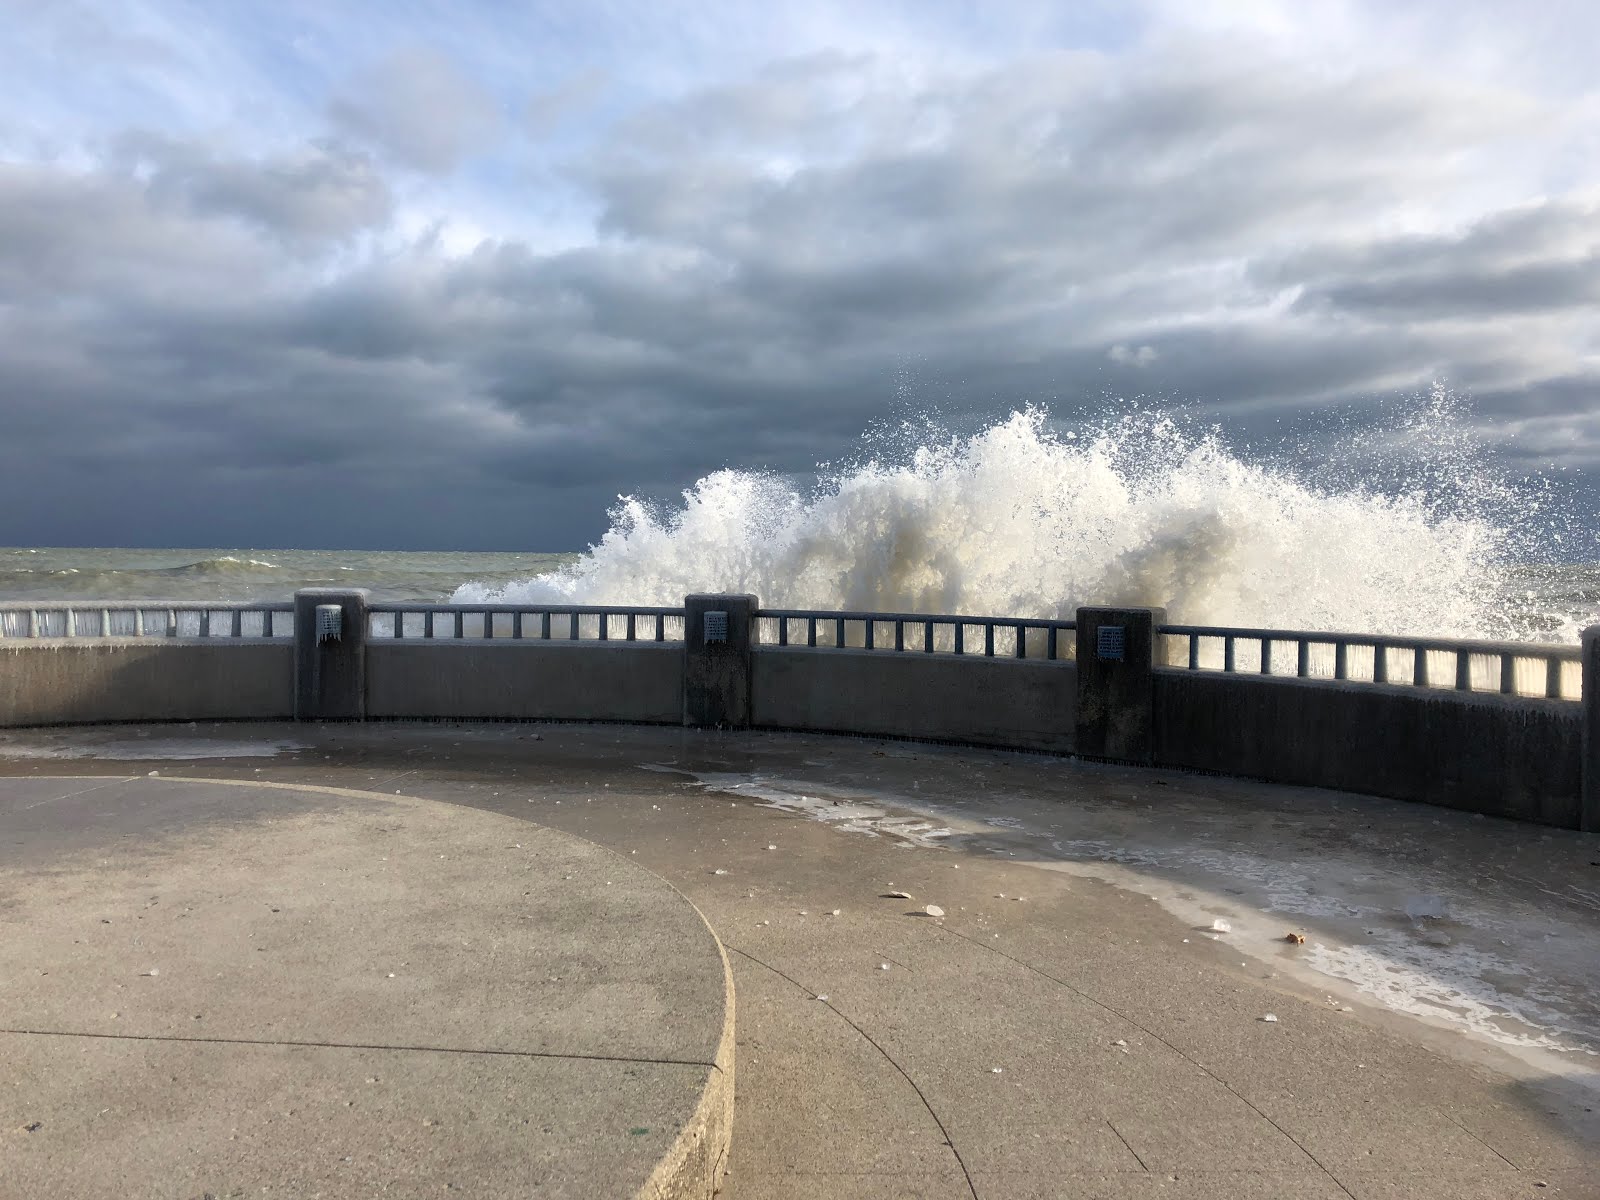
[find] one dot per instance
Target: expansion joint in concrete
(887, 1057)
(398, 1049)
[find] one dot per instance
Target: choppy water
(46, 575)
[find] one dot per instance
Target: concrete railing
(400, 621)
(147, 618)
(1509, 729)
(1510, 668)
(1011, 637)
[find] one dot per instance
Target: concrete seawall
(638, 682)
(1524, 758)
(1504, 756)
(981, 701)
(130, 679)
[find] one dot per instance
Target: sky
(406, 275)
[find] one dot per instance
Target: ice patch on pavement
(146, 749)
(1451, 988)
(1383, 924)
(848, 811)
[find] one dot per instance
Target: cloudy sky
(398, 274)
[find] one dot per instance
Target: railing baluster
(1302, 664)
(661, 627)
(573, 628)
(138, 622)
(632, 626)
(1341, 659)
(605, 630)
(838, 634)
(1419, 667)
(1508, 674)
(1194, 652)
(1022, 641)
(870, 637)
(398, 626)
(899, 634)
(105, 622)
(1463, 671)
(1050, 643)
(1229, 655)
(783, 631)
(961, 638)
(927, 637)
(1380, 663)
(172, 622)
(516, 625)
(1266, 656)
(1552, 679)
(811, 631)
(460, 625)
(427, 624)
(988, 639)
(238, 622)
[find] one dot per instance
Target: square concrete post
(1589, 812)
(718, 631)
(330, 673)
(1117, 651)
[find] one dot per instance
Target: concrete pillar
(1589, 813)
(330, 674)
(1117, 651)
(718, 632)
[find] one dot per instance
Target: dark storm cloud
(316, 193)
(419, 107)
(776, 259)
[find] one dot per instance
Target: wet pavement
(1088, 1016)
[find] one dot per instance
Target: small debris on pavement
(897, 896)
(1221, 926)
(996, 1070)
(1121, 1044)
(719, 871)
(35, 1126)
(822, 997)
(1270, 1019)
(933, 910)
(883, 966)
(1297, 939)
(771, 847)
(836, 912)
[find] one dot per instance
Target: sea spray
(1024, 518)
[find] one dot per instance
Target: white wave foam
(1018, 520)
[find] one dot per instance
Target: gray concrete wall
(1020, 704)
(170, 679)
(1590, 819)
(1115, 691)
(526, 680)
(716, 675)
(1500, 755)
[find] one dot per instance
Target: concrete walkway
(1072, 1026)
(230, 989)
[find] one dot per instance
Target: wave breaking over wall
(1025, 519)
